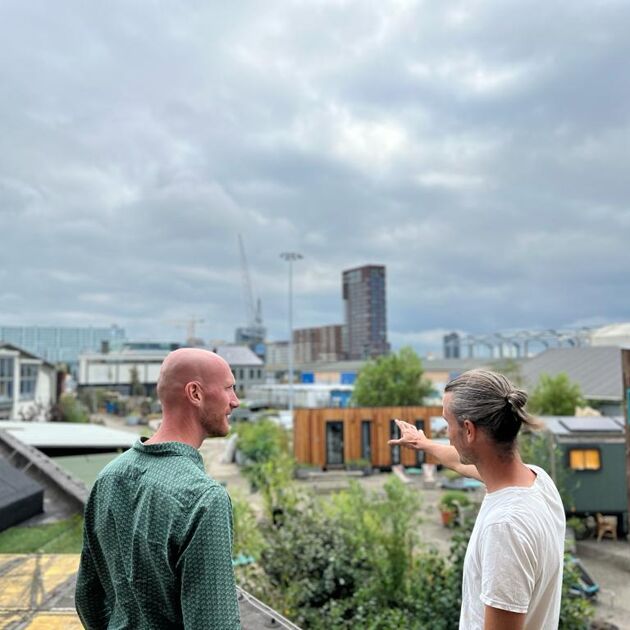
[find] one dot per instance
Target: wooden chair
(606, 525)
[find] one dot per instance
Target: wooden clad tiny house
(332, 437)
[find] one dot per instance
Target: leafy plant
(71, 410)
(575, 611)
(578, 526)
(262, 440)
(248, 539)
(555, 396)
(358, 464)
(392, 380)
(451, 498)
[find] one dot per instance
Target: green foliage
(270, 468)
(355, 560)
(274, 478)
(248, 539)
(451, 498)
(575, 612)
(391, 381)
(60, 537)
(579, 527)
(555, 396)
(540, 449)
(71, 410)
(358, 464)
(310, 563)
(382, 529)
(136, 387)
(263, 440)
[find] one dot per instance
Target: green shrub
(248, 539)
(71, 409)
(451, 498)
(261, 441)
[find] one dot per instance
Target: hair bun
(517, 398)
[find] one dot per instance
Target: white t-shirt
(515, 556)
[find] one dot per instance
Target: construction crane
(191, 328)
(254, 332)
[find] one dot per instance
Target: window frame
(584, 450)
(7, 378)
(29, 379)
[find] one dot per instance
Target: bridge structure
(517, 344)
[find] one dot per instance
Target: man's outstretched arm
(414, 438)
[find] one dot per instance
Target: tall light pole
(290, 257)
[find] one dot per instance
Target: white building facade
(114, 370)
(28, 385)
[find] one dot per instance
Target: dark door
(334, 443)
(420, 455)
(394, 434)
(366, 440)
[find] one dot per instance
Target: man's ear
(193, 392)
(470, 431)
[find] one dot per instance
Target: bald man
(157, 547)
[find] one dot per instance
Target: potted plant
(579, 527)
(448, 504)
(361, 464)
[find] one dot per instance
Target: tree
(135, 386)
(391, 381)
(555, 396)
(71, 410)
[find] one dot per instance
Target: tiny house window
(584, 459)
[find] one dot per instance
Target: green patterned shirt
(157, 549)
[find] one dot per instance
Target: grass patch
(60, 537)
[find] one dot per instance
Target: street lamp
(290, 257)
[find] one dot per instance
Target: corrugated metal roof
(430, 365)
(597, 370)
(238, 355)
(68, 435)
(456, 365)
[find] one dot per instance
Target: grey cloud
(478, 149)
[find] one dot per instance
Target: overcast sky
(479, 149)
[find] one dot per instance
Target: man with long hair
(513, 565)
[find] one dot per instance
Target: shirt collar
(170, 449)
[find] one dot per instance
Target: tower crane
(253, 333)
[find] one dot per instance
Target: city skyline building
(365, 309)
(319, 343)
(62, 344)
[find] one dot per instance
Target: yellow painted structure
(30, 585)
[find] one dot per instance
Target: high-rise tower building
(451, 346)
(365, 311)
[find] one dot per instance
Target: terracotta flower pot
(448, 516)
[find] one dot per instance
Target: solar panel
(591, 424)
(20, 496)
